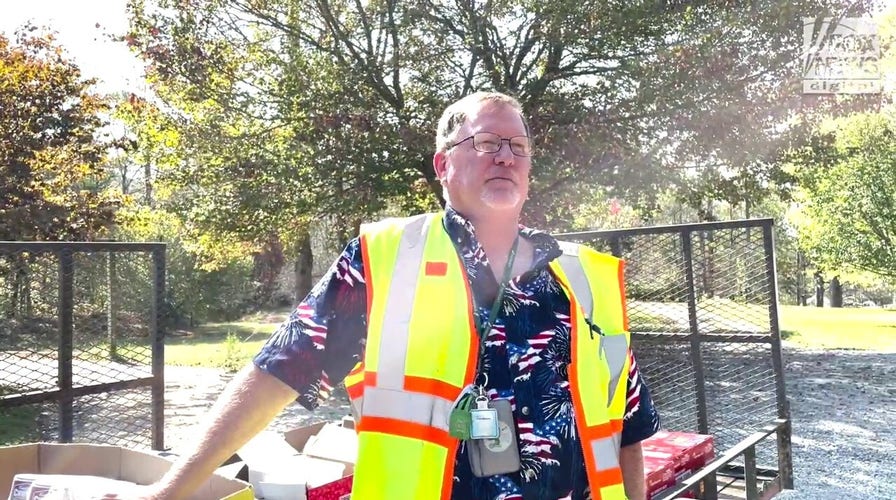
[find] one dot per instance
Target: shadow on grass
(789, 334)
(19, 424)
(217, 333)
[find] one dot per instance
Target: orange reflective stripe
(354, 391)
(474, 341)
(406, 429)
(431, 386)
(609, 476)
(573, 377)
(368, 276)
(370, 378)
(601, 431)
(621, 273)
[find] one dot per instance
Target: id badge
(485, 421)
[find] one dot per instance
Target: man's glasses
(487, 142)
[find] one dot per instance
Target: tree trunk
(836, 292)
(147, 182)
(303, 265)
(268, 264)
(819, 289)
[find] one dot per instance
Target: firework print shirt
(527, 354)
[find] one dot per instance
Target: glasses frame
(502, 139)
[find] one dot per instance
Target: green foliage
(232, 362)
(51, 152)
(848, 177)
(197, 291)
(295, 109)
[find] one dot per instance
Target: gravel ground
(843, 405)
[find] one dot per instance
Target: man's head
(483, 154)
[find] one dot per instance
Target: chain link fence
(704, 320)
(81, 343)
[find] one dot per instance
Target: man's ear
(440, 164)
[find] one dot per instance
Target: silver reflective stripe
(616, 350)
(409, 406)
(397, 316)
(357, 405)
(575, 273)
(606, 455)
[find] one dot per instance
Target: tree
(296, 111)
(51, 149)
(848, 193)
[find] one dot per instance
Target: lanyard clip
(592, 329)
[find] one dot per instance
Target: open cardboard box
(314, 462)
(106, 461)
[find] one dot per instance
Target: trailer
(703, 311)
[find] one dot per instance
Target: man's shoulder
(395, 223)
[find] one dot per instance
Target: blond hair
(456, 114)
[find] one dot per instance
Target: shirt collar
(462, 232)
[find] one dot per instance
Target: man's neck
(496, 231)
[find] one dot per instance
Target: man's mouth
(508, 179)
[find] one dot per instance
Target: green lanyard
(484, 328)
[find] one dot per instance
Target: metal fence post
(785, 451)
(112, 310)
(696, 355)
(66, 344)
(157, 327)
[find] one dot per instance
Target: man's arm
(631, 461)
(249, 403)
(641, 421)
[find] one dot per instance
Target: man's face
(476, 180)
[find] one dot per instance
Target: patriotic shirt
(526, 359)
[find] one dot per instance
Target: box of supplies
(314, 462)
(50, 470)
(671, 457)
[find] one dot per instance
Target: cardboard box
(685, 452)
(671, 457)
(314, 462)
(105, 461)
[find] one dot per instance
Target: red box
(674, 455)
(332, 491)
(658, 476)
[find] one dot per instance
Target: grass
(231, 345)
(841, 328)
(19, 423)
(222, 345)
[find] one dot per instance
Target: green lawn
(222, 345)
(844, 328)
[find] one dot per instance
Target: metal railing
(82, 342)
(703, 310)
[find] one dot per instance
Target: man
(447, 388)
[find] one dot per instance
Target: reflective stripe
(615, 348)
(575, 273)
(414, 407)
(605, 454)
(397, 314)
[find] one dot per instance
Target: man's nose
(504, 156)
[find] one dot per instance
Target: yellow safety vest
(421, 350)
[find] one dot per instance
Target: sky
(75, 22)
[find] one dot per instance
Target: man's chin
(503, 201)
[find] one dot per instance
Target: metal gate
(703, 310)
(81, 343)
